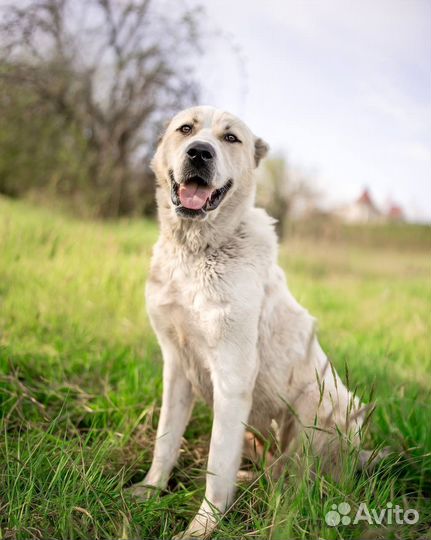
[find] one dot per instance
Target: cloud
(418, 152)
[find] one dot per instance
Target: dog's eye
(231, 138)
(186, 129)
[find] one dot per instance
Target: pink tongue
(193, 196)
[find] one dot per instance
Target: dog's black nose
(200, 152)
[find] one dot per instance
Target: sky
(341, 88)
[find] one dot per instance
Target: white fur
(230, 331)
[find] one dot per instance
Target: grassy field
(80, 386)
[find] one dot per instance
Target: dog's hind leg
(322, 418)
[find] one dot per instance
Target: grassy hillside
(80, 385)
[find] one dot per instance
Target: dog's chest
(187, 304)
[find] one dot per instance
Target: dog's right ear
(261, 148)
(157, 151)
(163, 130)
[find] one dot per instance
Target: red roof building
(363, 210)
(395, 213)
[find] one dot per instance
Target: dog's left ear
(261, 148)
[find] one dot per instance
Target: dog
(229, 329)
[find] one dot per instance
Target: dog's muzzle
(195, 196)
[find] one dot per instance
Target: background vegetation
(80, 383)
(85, 87)
(85, 90)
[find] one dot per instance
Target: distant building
(363, 210)
(395, 213)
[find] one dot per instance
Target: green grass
(80, 386)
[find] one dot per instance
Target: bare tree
(112, 69)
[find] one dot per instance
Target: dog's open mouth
(195, 197)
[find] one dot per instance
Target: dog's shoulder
(259, 225)
(259, 238)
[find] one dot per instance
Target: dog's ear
(261, 148)
(158, 149)
(163, 129)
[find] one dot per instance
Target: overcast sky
(342, 87)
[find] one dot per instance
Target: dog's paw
(245, 477)
(202, 525)
(142, 492)
(185, 535)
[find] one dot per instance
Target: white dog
(229, 329)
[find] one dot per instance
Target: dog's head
(204, 157)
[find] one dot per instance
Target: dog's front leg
(232, 394)
(175, 412)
